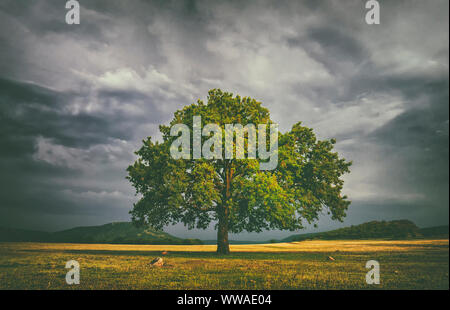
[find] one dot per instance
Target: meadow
(409, 264)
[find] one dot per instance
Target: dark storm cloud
(418, 140)
(29, 111)
(76, 101)
(50, 17)
(426, 124)
(335, 44)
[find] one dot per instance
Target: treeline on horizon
(127, 233)
(112, 233)
(398, 229)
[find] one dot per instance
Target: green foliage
(306, 182)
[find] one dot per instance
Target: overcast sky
(77, 100)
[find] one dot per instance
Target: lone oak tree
(235, 193)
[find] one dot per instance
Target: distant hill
(18, 235)
(127, 233)
(119, 232)
(435, 232)
(400, 229)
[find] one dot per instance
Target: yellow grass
(408, 264)
(302, 246)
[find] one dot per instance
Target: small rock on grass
(157, 262)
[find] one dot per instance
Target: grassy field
(413, 264)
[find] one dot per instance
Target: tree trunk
(223, 246)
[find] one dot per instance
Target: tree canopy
(234, 193)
